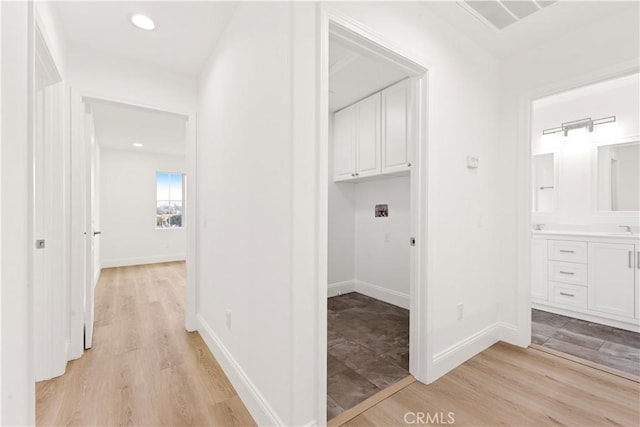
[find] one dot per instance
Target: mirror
(619, 177)
(544, 182)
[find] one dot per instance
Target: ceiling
(354, 75)
(118, 126)
(184, 37)
(544, 25)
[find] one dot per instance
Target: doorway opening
(585, 219)
(376, 157)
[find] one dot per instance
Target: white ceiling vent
(500, 14)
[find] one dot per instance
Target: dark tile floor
(368, 349)
(612, 347)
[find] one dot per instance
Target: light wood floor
(507, 385)
(144, 368)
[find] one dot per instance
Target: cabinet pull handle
(630, 259)
(565, 251)
(566, 294)
(567, 272)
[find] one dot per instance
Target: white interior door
(47, 214)
(91, 232)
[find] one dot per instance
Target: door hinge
(39, 244)
(412, 241)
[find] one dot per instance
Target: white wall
(128, 205)
(577, 56)
(17, 387)
(341, 227)
(382, 244)
(256, 205)
(463, 205)
(576, 152)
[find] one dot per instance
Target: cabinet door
(395, 127)
(368, 136)
(343, 142)
(637, 295)
(611, 278)
(539, 285)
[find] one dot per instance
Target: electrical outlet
(228, 319)
(460, 311)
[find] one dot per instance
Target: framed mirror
(545, 182)
(618, 177)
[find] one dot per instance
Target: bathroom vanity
(591, 276)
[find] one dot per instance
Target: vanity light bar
(577, 124)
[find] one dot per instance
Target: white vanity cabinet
(356, 140)
(593, 277)
(539, 281)
(612, 278)
(371, 137)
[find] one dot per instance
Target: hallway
(143, 369)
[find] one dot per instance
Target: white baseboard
(396, 298)
(256, 404)
(510, 334)
(464, 350)
(340, 288)
(123, 262)
(374, 291)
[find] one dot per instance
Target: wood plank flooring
(144, 368)
(612, 347)
(507, 385)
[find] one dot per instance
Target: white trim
(399, 299)
(396, 298)
(453, 356)
(156, 259)
(341, 288)
(258, 406)
(523, 236)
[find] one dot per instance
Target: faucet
(539, 227)
(627, 228)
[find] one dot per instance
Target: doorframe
(76, 346)
(524, 214)
(334, 23)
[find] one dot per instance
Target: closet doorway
(374, 128)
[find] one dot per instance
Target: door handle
(97, 232)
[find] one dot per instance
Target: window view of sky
(169, 200)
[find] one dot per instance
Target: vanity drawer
(568, 272)
(564, 293)
(564, 250)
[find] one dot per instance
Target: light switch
(472, 162)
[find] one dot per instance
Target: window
(169, 199)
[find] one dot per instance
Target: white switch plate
(472, 162)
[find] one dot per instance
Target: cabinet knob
(408, 165)
(353, 174)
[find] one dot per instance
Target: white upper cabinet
(343, 144)
(367, 136)
(371, 137)
(611, 278)
(395, 127)
(356, 140)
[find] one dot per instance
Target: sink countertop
(608, 235)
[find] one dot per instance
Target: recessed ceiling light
(137, 144)
(142, 21)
